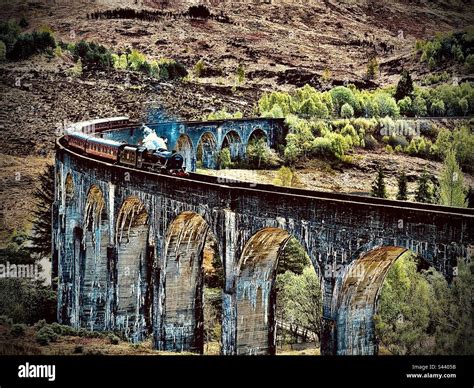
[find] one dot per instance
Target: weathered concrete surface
(256, 292)
(160, 297)
(356, 305)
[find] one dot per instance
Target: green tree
(293, 258)
(240, 73)
(299, 299)
(464, 106)
(419, 107)
(44, 197)
(223, 159)
(285, 177)
(452, 190)
(199, 68)
(258, 152)
(404, 86)
(402, 194)
(403, 319)
(372, 68)
(347, 111)
(424, 192)
(378, 185)
(453, 320)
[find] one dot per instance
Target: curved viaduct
(129, 244)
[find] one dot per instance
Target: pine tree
(44, 197)
(424, 191)
(404, 86)
(402, 194)
(452, 190)
(378, 185)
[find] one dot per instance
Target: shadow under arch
(93, 262)
(206, 150)
(135, 253)
(256, 135)
(256, 292)
(184, 146)
(233, 142)
(357, 300)
(183, 320)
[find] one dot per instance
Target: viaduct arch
(143, 234)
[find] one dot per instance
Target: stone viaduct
(201, 141)
(129, 244)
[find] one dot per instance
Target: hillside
(280, 46)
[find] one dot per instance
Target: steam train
(80, 137)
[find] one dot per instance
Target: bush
(347, 111)
(199, 68)
(397, 141)
(199, 11)
(46, 335)
(93, 55)
(370, 142)
(469, 63)
(113, 339)
(3, 51)
(5, 321)
(26, 301)
(63, 329)
(223, 159)
(18, 330)
(27, 45)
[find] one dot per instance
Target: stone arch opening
(206, 151)
(256, 135)
(184, 146)
(233, 142)
(69, 188)
(135, 254)
(256, 294)
(357, 300)
(93, 265)
(188, 242)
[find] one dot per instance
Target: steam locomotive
(81, 138)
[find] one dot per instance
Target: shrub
(372, 68)
(347, 111)
(405, 106)
(27, 45)
(438, 108)
(199, 68)
(370, 142)
(113, 339)
(5, 321)
(63, 329)
(93, 55)
(199, 11)
(18, 330)
(469, 63)
(3, 51)
(397, 141)
(342, 95)
(26, 301)
(223, 159)
(240, 73)
(46, 335)
(389, 149)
